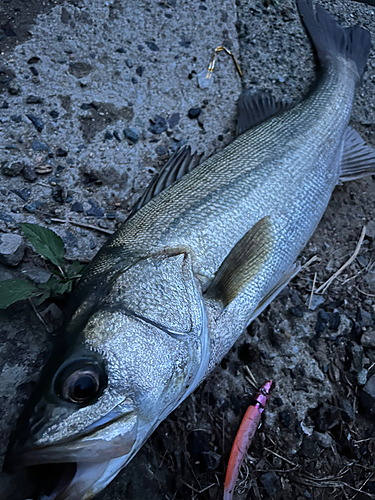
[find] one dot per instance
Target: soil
(317, 438)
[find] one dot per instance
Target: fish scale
(172, 290)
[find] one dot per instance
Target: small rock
(194, 113)
(367, 396)
(39, 146)
(35, 274)
(158, 125)
(61, 152)
(131, 134)
(28, 173)
(316, 301)
(152, 46)
(14, 88)
(80, 69)
(12, 247)
(321, 322)
(37, 122)
(210, 459)
(271, 483)
(54, 114)
(32, 207)
(139, 70)
(33, 60)
(162, 149)
(35, 72)
(58, 194)
(33, 99)
(129, 63)
(116, 135)
(44, 168)
(24, 194)
(362, 377)
(297, 311)
(77, 207)
(53, 316)
(323, 439)
(16, 118)
(310, 448)
(95, 209)
(368, 339)
(347, 410)
(13, 169)
(108, 136)
(173, 120)
(370, 229)
(363, 317)
(357, 355)
(121, 50)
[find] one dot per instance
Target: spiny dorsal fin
(255, 108)
(180, 163)
(243, 262)
(358, 159)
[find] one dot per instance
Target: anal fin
(243, 262)
(358, 159)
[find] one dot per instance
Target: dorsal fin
(254, 108)
(180, 163)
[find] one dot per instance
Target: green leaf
(12, 291)
(46, 242)
(42, 298)
(75, 270)
(61, 288)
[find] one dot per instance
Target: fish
(205, 250)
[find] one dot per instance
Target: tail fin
(332, 40)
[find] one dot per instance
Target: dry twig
(325, 285)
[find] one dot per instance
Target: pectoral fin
(243, 262)
(358, 159)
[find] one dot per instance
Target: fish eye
(80, 382)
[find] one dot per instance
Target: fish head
(96, 404)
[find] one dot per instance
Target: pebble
(16, 118)
(297, 311)
(194, 113)
(140, 70)
(24, 194)
(116, 135)
(33, 60)
(37, 122)
(362, 377)
(173, 120)
(370, 229)
(77, 207)
(323, 439)
(152, 46)
(43, 169)
(54, 114)
(368, 396)
(161, 150)
(58, 194)
(35, 274)
(80, 69)
(52, 316)
(363, 317)
(316, 301)
(271, 483)
(368, 339)
(39, 146)
(33, 99)
(28, 173)
(61, 152)
(131, 134)
(357, 355)
(129, 63)
(32, 207)
(108, 136)
(95, 209)
(13, 169)
(158, 125)
(34, 71)
(12, 248)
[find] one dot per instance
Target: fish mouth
(69, 469)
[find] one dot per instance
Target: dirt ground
(317, 439)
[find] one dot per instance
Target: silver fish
(206, 249)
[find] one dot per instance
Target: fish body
(174, 287)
